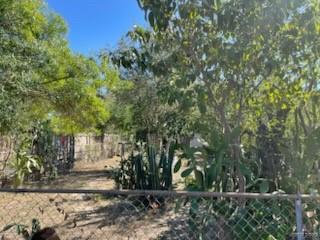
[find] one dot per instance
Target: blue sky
(97, 24)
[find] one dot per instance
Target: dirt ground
(84, 175)
(84, 216)
(92, 175)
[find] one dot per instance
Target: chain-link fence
(98, 214)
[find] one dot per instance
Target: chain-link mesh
(152, 215)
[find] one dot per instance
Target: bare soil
(84, 175)
(83, 216)
(92, 175)
(80, 216)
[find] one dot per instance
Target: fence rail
(246, 195)
(78, 214)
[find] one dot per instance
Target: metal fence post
(299, 220)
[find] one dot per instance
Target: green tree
(41, 78)
(42, 81)
(139, 107)
(242, 63)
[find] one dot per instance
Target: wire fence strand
(122, 214)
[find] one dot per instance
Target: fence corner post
(299, 221)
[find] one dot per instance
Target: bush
(146, 168)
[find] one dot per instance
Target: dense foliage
(242, 74)
(41, 79)
(241, 77)
(146, 168)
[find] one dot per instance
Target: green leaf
(151, 19)
(235, 133)
(177, 166)
(194, 206)
(271, 237)
(199, 178)
(211, 175)
(21, 228)
(202, 107)
(186, 172)
(264, 186)
(244, 170)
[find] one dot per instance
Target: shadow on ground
(120, 219)
(97, 179)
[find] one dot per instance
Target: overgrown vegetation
(42, 82)
(146, 168)
(242, 76)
